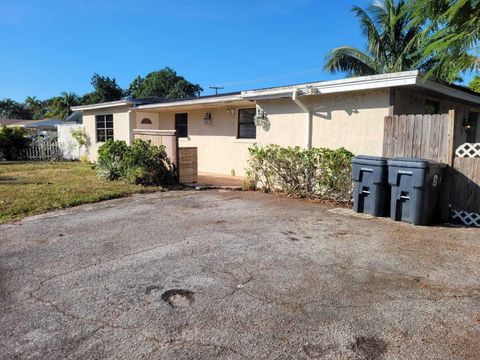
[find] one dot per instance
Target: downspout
(131, 126)
(301, 105)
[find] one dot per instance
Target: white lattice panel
(469, 219)
(471, 150)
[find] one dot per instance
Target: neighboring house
(33, 125)
(340, 113)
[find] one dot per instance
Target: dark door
(181, 125)
(472, 131)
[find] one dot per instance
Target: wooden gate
(465, 194)
(187, 164)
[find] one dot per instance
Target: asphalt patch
(369, 347)
(178, 297)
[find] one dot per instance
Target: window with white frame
(104, 125)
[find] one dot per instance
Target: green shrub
(113, 149)
(318, 172)
(140, 163)
(13, 142)
(111, 160)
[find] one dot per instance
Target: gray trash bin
(415, 186)
(371, 193)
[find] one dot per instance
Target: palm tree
(452, 32)
(35, 106)
(393, 43)
(60, 106)
(11, 109)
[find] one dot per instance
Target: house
(339, 113)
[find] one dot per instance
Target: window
(181, 125)
(104, 127)
(146, 121)
(431, 107)
(246, 124)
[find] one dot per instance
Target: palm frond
(350, 60)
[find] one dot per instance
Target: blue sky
(54, 46)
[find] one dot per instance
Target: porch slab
(216, 180)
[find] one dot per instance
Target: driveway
(232, 275)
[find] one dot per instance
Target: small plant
(80, 137)
(318, 172)
(13, 143)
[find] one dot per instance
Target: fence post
(451, 137)
(447, 185)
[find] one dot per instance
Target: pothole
(178, 297)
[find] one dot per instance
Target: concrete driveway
(232, 275)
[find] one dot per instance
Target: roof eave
(208, 101)
(447, 90)
(103, 105)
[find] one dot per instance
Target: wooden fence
(419, 136)
(44, 150)
(432, 137)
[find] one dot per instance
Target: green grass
(30, 188)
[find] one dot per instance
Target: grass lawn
(30, 188)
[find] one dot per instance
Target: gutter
(308, 112)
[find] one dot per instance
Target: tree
(60, 106)
(164, 83)
(475, 84)
(36, 107)
(105, 89)
(10, 109)
(452, 32)
(392, 42)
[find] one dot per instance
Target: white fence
(43, 150)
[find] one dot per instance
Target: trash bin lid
(370, 160)
(414, 163)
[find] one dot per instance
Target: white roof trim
(334, 86)
(200, 101)
(102, 105)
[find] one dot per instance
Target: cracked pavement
(269, 278)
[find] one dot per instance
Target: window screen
(246, 124)
(181, 125)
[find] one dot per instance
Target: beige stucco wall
(219, 151)
(353, 120)
(408, 101)
(121, 127)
